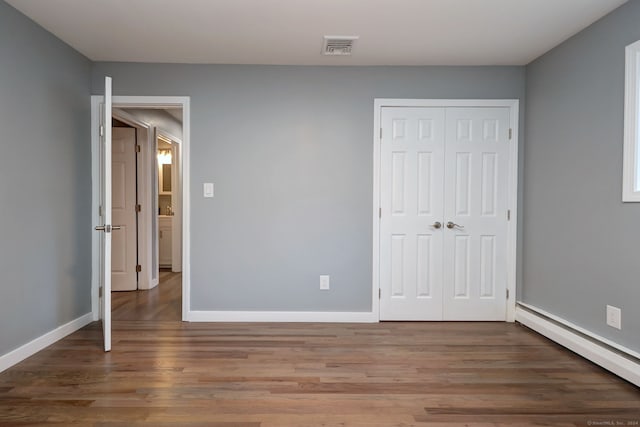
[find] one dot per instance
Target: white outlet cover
(324, 282)
(614, 317)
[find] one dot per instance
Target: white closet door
(411, 232)
(476, 184)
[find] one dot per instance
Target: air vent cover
(338, 45)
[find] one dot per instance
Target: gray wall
(290, 152)
(581, 243)
(45, 239)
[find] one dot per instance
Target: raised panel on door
(411, 195)
(124, 240)
(476, 185)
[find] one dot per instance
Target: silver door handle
(451, 225)
(107, 228)
(437, 225)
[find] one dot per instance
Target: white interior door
(105, 215)
(411, 233)
(443, 224)
(123, 207)
(476, 184)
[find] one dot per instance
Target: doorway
(145, 254)
(148, 194)
(445, 204)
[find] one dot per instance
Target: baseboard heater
(611, 356)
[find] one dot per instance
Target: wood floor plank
(163, 372)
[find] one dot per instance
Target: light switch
(208, 189)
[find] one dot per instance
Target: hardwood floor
(166, 373)
(164, 302)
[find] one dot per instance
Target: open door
(105, 215)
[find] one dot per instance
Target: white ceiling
(392, 32)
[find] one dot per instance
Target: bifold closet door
(443, 195)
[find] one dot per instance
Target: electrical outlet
(324, 283)
(614, 317)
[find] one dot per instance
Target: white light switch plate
(208, 189)
(324, 283)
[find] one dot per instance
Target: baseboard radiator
(611, 356)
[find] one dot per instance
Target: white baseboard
(589, 348)
(282, 316)
(30, 348)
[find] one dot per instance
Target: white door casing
(124, 240)
(438, 165)
(184, 182)
(105, 210)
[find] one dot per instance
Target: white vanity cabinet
(165, 224)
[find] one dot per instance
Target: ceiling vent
(338, 45)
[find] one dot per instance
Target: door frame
(512, 193)
(176, 196)
(144, 102)
(146, 280)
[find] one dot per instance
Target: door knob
(116, 227)
(451, 225)
(437, 225)
(100, 228)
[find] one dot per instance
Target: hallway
(162, 303)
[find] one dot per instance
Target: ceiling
(392, 32)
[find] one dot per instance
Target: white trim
(580, 329)
(282, 316)
(512, 203)
(631, 163)
(186, 207)
(587, 348)
(144, 102)
(95, 201)
(29, 349)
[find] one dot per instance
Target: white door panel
(124, 240)
(412, 189)
(476, 165)
(441, 165)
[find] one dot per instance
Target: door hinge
(138, 268)
(138, 208)
(379, 293)
(380, 133)
(507, 293)
(510, 133)
(379, 212)
(101, 131)
(508, 214)
(137, 148)
(100, 292)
